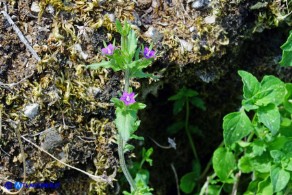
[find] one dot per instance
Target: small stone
(186, 46)
(210, 19)
(35, 7)
(31, 110)
(199, 4)
(154, 34)
(50, 139)
(192, 29)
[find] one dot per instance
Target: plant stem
(123, 164)
(127, 80)
(188, 131)
(121, 144)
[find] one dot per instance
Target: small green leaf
(236, 125)
(140, 64)
(258, 147)
(137, 106)
(132, 43)
(270, 117)
(103, 64)
(250, 84)
(175, 127)
(223, 163)
(245, 164)
(188, 182)
(279, 178)
(178, 106)
(119, 26)
(146, 155)
(198, 102)
(277, 155)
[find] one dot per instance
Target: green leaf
(270, 117)
(119, 26)
(146, 155)
(132, 43)
(139, 64)
(223, 163)
(140, 74)
(188, 182)
(126, 122)
(258, 147)
(137, 106)
(245, 164)
(178, 106)
(265, 187)
(272, 90)
(277, 155)
(250, 84)
(103, 64)
(287, 52)
(175, 127)
(198, 102)
(279, 178)
(236, 125)
(288, 97)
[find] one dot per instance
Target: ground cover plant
(127, 59)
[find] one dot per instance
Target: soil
(74, 103)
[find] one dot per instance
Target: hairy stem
(127, 80)
(188, 131)
(123, 164)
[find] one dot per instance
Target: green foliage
(182, 101)
(142, 175)
(258, 138)
(287, 52)
(126, 58)
(223, 164)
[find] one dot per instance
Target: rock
(199, 4)
(35, 7)
(31, 110)
(210, 19)
(154, 34)
(50, 139)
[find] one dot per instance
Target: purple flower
(109, 50)
(149, 53)
(128, 98)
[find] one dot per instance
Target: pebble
(31, 110)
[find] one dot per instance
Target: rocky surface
(66, 109)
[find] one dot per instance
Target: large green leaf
(265, 187)
(288, 97)
(188, 182)
(272, 90)
(223, 163)
(250, 84)
(279, 178)
(287, 52)
(126, 122)
(236, 125)
(270, 117)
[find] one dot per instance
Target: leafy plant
(183, 99)
(258, 139)
(142, 175)
(287, 52)
(127, 58)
